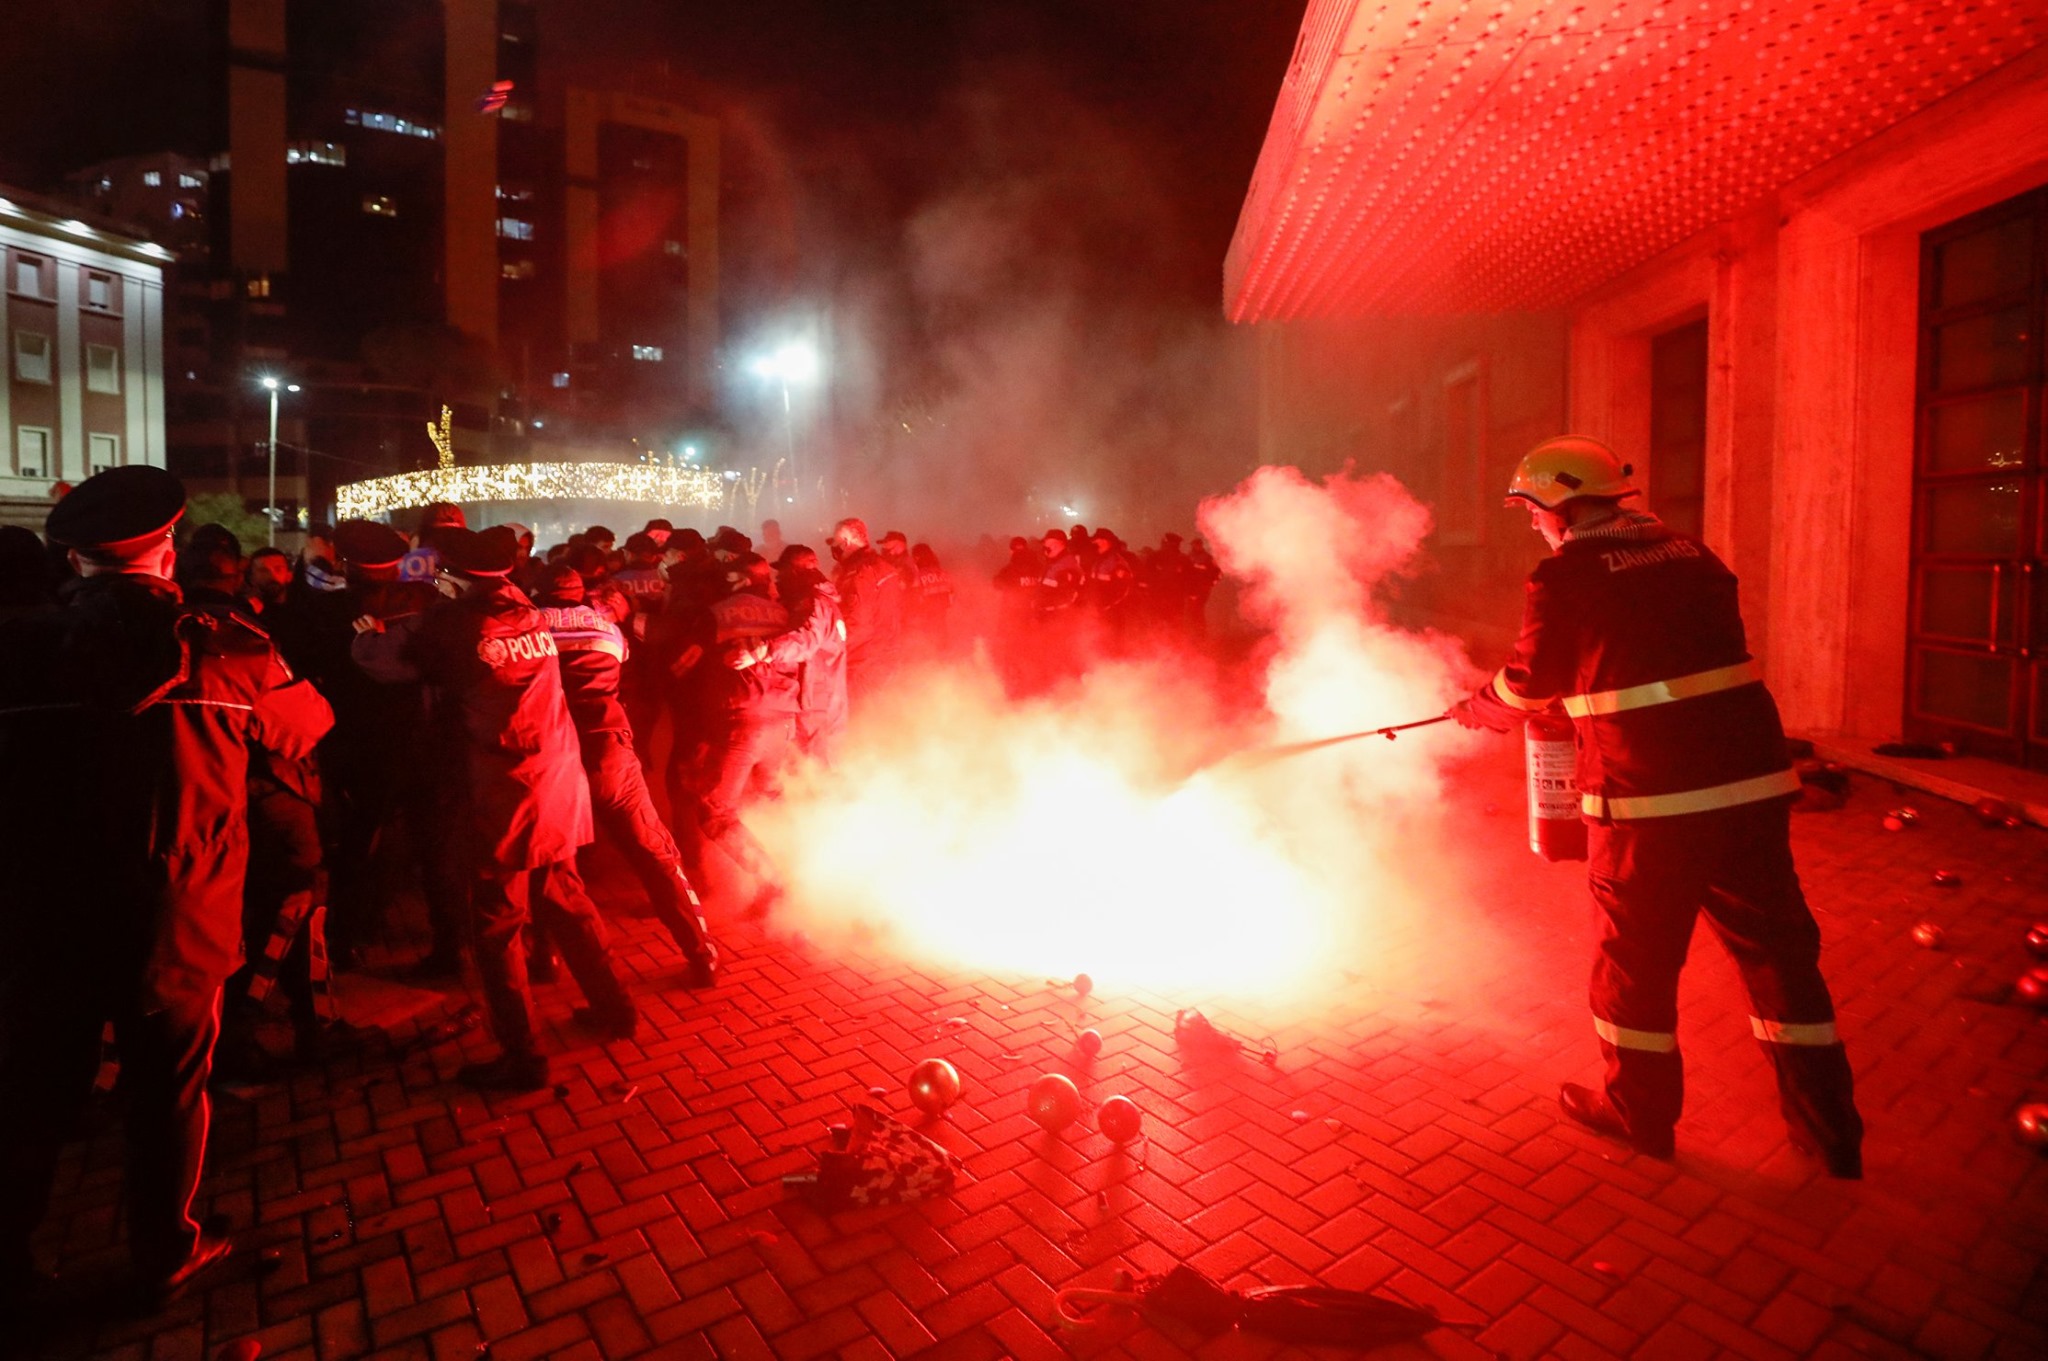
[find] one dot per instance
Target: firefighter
(488, 652)
(872, 596)
(814, 648)
(126, 723)
(592, 651)
(1687, 790)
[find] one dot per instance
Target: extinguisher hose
(1266, 755)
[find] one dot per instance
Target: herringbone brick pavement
(1405, 1141)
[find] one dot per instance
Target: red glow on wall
(1501, 154)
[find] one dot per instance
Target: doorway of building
(1977, 632)
(1678, 427)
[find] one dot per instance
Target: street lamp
(794, 361)
(274, 387)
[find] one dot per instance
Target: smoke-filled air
(1124, 824)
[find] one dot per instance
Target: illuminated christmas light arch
(655, 484)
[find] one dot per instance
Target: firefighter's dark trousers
(1649, 879)
(553, 895)
(51, 1020)
(625, 812)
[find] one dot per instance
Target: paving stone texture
(1406, 1142)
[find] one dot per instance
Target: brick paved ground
(1406, 1143)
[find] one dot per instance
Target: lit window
(99, 291)
(31, 451)
(259, 287)
(672, 248)
(28, 275)
(516, 112)
(103, 451)
(560, 380)
(315, 153)
(515, 229)
(389, 122)
(153, 178)
(379, 205)
(514, 195)
(31, 356)
(189, 181)
(643, 163)
(516, 269)
(102, 369)
(650, 353)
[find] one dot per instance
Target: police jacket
(592, 649)
(1635, 630)
(814, 649)
(761, 691)
(490, 655)
(646, 590)
(871, 599)
(1059, 582)
(126, 723)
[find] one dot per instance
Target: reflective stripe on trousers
(1649, 1041)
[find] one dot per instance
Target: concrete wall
(1811, 304)
(1377, 394)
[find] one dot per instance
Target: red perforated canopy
(1500, 154)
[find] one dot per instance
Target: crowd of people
(232, 750)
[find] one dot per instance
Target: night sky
(845, 112)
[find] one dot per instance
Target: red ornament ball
(1928, 936)
(1089, 1042)
(934, 1085)
(1083, 984)
(2032, 988)
(2030, 1122)
(1119, 1119)
(1947, 879)
(247, 1349)
(2037, 940)
(1991, 812)
(1894, 823)
(1054, 1101)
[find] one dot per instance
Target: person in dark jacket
(753, 704)
(490, 654)
(1687, 790)
(592, 648)
(872, 597)
(814, 648)
(122, 860)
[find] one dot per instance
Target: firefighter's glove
(1478, 716)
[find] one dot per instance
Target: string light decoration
(443, 436)
(656, 484)
(1485, 155)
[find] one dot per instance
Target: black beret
(486, 553)
(365, 543)
(117, 508)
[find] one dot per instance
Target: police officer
(814, 649)
(126, 722)
(592, 650)
(391, 762)
(872, 596)
(1687, 790)
(489, 653)
(753, 704)
(645, 587)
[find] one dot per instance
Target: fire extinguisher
(1555, 831)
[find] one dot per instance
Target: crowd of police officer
(231, 752)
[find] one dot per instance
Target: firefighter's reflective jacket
(1635, 630)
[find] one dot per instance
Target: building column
(68, 457)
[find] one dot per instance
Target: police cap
(122, 508)
(480, 553)
(365, 543)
